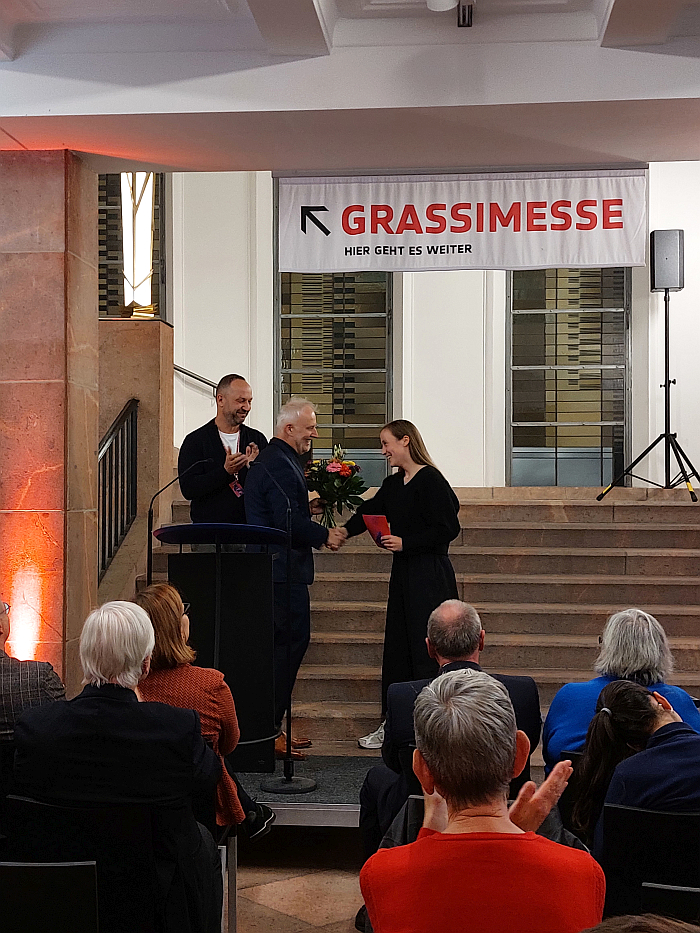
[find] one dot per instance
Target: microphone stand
(289, 784)
(149, 558)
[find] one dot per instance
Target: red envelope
(378, 526)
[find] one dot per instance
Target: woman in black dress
(422, 511)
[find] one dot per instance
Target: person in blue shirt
(634, 647)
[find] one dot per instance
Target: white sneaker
(373, 740)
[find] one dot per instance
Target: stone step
(553, 618)
(627, 590)
(345, 748)
(577, 534)
(355, 616)
(512, 618)
(501, 651)
(342, 722)
(332, 683)
(537, 560)
(525, 493)
(568, 510)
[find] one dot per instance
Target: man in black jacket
(277, 482)
(455, 640)
(216, 489)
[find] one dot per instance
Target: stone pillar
(48, 403)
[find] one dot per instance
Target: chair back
(118, 838)
(646, 845)
(60, 897)
(406, 764)
(668, 900)
(568, 798)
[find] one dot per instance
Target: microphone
(149, 558)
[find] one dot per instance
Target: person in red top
(476, 866)
(174, 680)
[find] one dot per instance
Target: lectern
(231, 623)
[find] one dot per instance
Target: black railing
(117, 483)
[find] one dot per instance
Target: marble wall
(48, 402)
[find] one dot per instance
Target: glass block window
(334, 331)
(131, 229)
(568, 376)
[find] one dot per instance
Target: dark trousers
(382, 795)
(300, 636)
(418, 584)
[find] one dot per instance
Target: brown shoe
(281, 749)
(301, 741)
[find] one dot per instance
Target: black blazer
(106, 747)
(208, 486)
(398, 730)
(266, 505)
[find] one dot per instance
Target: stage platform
(336, 800)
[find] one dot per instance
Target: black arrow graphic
(307, 215)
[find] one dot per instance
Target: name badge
(237, 488)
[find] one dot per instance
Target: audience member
(106, 747)
(647, 923)
(455, 640)
(633, 647)
(23, 684)
(626, 715)
(473, 856)
(172, 679)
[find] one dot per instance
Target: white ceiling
(351, 85)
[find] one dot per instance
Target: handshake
(336, 538)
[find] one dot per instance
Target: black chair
(646, 846)
(406, 765)
(118, 838)
(669, 900)
(568, 798)
(60, 897)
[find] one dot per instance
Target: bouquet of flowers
(338, 483)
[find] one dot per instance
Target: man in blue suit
(276, 482)
(455, 640)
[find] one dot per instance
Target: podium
(231, 623)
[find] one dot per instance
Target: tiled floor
(298, 880)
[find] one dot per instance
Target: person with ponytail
(639, 753)
(423, 515)
(626, 715)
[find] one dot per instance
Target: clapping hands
(234, 463)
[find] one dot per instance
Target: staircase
(545, 567)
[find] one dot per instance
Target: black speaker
(666, 260)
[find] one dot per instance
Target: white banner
(533, 220)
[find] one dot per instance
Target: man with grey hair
(633, 647)
(106, 747)
(474, 857)
(455, 640)
(276, 484)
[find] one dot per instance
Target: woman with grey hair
(633, 647)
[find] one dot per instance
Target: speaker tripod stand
(669, 440)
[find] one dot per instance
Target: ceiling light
(439, 6)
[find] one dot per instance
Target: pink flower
(333, 467)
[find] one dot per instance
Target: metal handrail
(117, 472)
(130, 406)
(187, 372)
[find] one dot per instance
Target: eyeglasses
(5, 607)
(185, 608)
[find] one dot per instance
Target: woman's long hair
(163, 604)
(416, 446)
(623, 721)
